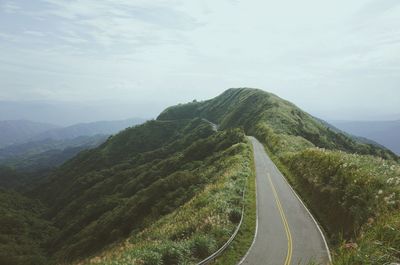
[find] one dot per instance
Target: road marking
(309, 213)
(285, 223)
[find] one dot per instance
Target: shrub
(174, 253)
(149, 257)
(202, 246)
(235, 215)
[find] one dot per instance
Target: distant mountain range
(12, 132)
(87, 129)
(28, 145)
(66, 113)
(22, 131)
(386, 133)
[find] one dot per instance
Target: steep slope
(384, 132)
(23, 231)
(139, 176)
(13, 131)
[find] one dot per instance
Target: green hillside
(23, 230)
(138, 185)
(353, 189)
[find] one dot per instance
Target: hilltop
(259, 113)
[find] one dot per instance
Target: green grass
(379, 243)
(243, 240)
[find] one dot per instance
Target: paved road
(286, 232)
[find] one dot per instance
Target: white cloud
(10, 7)
(179, 50)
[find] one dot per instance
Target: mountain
(46, 154)
(50, 148)
(64, 113)
(385, 133)
(14, 131)
(169, 191)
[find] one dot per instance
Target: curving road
(286, 232)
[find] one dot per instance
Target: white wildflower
(397, 181)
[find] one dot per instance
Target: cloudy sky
(336, 59)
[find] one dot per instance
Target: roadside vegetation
(243, 240)
(355, 197)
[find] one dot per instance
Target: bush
(151, 258)
(202, 246)
(174, 253)
(235, 215)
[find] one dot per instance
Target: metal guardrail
(226, 245)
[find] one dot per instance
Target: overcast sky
(336, 59)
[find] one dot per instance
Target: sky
(338, 60)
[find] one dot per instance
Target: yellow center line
(285, 223)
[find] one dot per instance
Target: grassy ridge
(353, 187)
(259, 112)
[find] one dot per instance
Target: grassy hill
(352, 186)
(138, 185)
(258, 112)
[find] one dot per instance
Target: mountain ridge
(116, 194)
(249, 108)
(14, 131)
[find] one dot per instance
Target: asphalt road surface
(286, 232)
